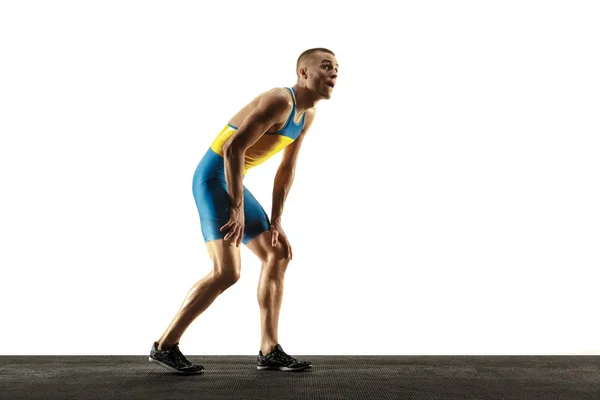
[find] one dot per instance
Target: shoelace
(285, 357)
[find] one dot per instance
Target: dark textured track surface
(332, 377)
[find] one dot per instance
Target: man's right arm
(272, 109)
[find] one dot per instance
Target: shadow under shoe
(279, 360)
(173, 360)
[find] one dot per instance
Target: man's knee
(266, 252)
(227, 277)
(277, 255)
(226, 263)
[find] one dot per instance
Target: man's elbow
(231, 150)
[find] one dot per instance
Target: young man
(275, 120)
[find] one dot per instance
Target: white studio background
(445, 201)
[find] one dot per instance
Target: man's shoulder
(276, 101)
(278, 96)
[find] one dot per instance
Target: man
(275, 120)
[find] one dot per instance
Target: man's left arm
(285, 174)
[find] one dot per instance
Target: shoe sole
(173, 369)
(287, 369)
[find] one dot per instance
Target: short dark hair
(307, 53)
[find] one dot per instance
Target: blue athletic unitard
(209, 185)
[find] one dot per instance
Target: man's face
(321, 73)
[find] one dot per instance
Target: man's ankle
(164, 346)
(270, 349)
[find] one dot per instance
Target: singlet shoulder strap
(293, 95)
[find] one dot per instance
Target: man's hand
(277, 234)
(235, 225)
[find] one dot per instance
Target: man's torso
(275, 139)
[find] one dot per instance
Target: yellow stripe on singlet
(221, 139)
(259, 152)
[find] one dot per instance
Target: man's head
(317, 71)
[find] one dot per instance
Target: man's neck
(305, 99)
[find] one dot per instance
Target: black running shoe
(173, 360)
(279, 360)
